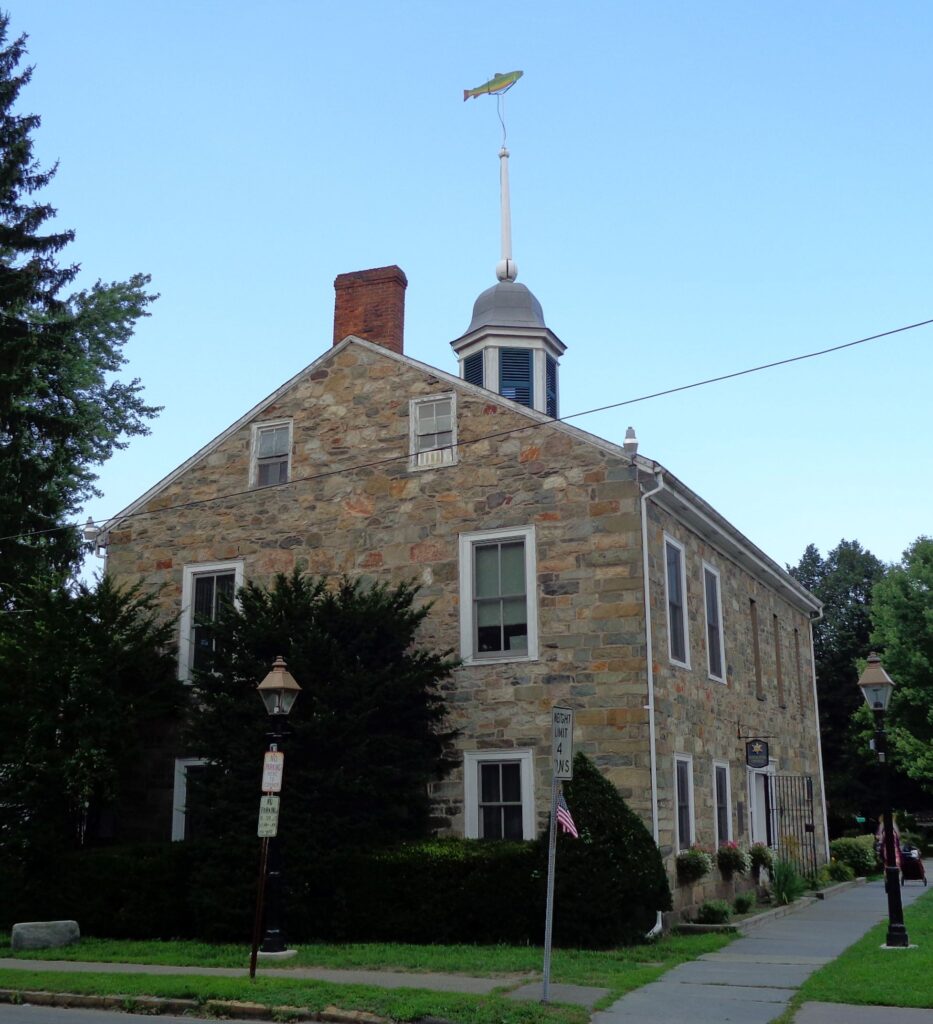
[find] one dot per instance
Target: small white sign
(273, 765)
(562, 742)
(268, 817)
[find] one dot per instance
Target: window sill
(511, 659)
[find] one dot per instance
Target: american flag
(565, 818)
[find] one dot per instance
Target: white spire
(506, 270)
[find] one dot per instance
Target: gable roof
(674, 495)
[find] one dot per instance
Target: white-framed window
(685, 830)
(676, 588)
(498, 595)
(722, 802)
(433, 431)
(271, 453)
(715, 656)
(184, 824)
(203, 589)
(498, 794)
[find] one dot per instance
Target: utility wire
(478, 440)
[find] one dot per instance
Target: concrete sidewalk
(754, 978)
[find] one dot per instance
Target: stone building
(564, 569)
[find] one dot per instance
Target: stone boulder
(44, 934)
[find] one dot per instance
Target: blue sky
(696, 189)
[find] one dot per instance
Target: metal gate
(791, 799)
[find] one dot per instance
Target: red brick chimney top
(371, 305)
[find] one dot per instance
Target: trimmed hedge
(610, 885)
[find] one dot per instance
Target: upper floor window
(676, 601)
(204, 590)
(756, 647)
(516, 374)
(498, 603)
(714, 645)
(433, 431)
(272, 447)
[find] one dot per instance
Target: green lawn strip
(401, 1005)
(612, 969)
(867, 975)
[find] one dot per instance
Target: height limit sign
(562, 742)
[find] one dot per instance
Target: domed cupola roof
(506, 304)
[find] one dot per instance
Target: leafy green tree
(62, 413)
(844, 582)
(87, 676)
(902, 613)
(366, 733)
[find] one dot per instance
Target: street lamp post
(279, 692)
(876, 686)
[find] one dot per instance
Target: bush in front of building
(857, 852)
(714, 912)
(610, 882)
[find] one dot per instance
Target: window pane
(491, 822)
(489, 637)
(489, 783)
(513, 568)
(204, 597)
(487, 570)
(512, 822)
(673, 575)
(512, 783)
(224, 587)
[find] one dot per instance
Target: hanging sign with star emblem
(756, 754)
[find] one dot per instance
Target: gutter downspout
(649, 659)
(819, 743)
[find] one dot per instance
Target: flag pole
(549, 908)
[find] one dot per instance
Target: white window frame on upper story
(728, 836)
(715, 573)
(472, 759)
(180, 794)
(186, 619)
(435, 457)
(678, 844)
(669, 542)
(257, 429)
(468, 544)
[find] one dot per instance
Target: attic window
(433, 431)
(515, 369)
(272, 443)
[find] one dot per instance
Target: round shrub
(839, 871)
(610, 883)
(858, 853)
(714, 912)
(744, 902)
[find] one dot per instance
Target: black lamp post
(279, 691)
(876, 686)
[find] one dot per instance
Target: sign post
(561, 768)
(273, 768)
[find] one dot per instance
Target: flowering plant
(731, 860)
(760, 855)
(693, 864)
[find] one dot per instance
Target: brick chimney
(371, 305)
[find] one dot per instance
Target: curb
(180, 1007)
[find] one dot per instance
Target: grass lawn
(619, 971)
(868, 975)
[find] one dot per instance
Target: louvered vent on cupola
(515, 375)
(550, 385)
(473, 369)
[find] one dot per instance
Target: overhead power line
(253, 491)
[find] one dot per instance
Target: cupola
(508, 348)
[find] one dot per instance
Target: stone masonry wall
(387, 521)
(699, 716)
